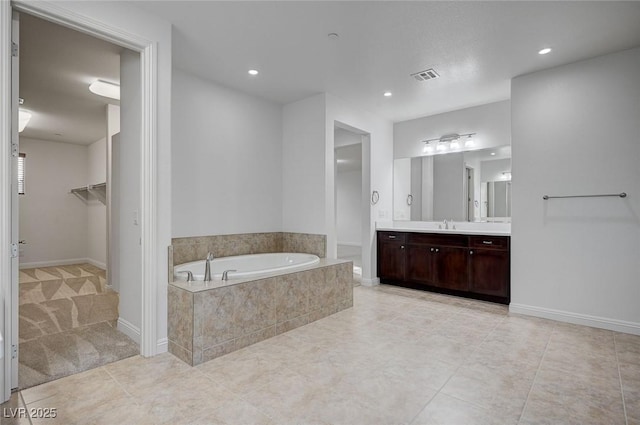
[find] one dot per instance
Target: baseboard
(576, 318)
(370, 282)
(53, 263)
(163, 346)
(354, 244)
(96, 263)
(129, 330)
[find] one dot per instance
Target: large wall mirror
(460, 186)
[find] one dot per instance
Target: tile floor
(397, 357)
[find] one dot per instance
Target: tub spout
(225, 274)
(207, 268)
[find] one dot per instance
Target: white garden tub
(247, 266)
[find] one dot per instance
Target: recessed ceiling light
(493, 154)
(544, 51)
(103, 88)
(388, 94)
(253, 72)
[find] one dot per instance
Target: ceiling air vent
(428, 74)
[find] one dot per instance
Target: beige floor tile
(235, 412)
(628, 348)
(559, 397)
(287, 397)
(75, 401)
(447, 410)
(174, 399)
(245, 374)
(503, 394)
(580, 360)
(136, 374)
(630, 376)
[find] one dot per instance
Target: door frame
(148, 165)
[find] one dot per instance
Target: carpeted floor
(67, 323)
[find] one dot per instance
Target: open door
(15, 152)
(9, 313)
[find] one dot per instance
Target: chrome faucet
(207, 267)
(225, 274)
(446, 224)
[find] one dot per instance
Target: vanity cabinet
(391, 255)
(475, 266)
(489, 266)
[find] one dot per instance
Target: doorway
(350, 208)
(146, 41)
(68, 303)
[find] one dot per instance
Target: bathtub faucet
(225, 274)
(207, 267)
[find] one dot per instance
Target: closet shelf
(98, 190)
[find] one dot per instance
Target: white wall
(575, 131)
(96, 210)
(227, 158)
(52, 220)
(126, 182)
(491, 122)
(304, 166)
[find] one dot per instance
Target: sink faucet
(207, 267)
(446, 224)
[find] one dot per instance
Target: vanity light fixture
(103, 88)
(449, 141)
(23, 119)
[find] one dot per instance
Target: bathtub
(247, 266)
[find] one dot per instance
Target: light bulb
(469, 143)
(455, 144)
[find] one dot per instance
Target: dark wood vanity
(474, 266)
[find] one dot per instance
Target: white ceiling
(57, 65)
(477, 47)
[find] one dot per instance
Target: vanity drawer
(492, 242)
(392, 237)
(438, 239)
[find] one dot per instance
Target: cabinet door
(452, 268)
(489, 272)
(391, 260)
(420, 267)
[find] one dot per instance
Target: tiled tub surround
(196, 248)
(208, 321)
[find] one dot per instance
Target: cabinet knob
(401, 246)
(471, 252)
(437, 249)
(431, 249)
